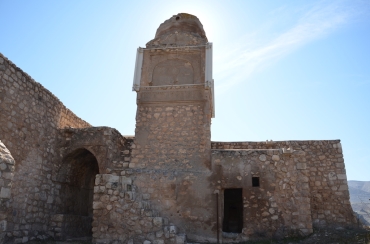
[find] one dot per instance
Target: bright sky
(284, 70)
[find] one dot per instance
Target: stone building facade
(62, 178)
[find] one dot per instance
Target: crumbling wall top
(179, 30)
(181, 23)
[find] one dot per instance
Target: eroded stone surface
(6, 177)
(180, 30)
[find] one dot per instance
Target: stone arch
(173, 72)
(98, 151)
(76, 177)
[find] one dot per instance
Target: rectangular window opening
(233, 211)
(255, 181)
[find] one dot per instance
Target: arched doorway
(77, 180)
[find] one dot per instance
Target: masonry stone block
(3, 166)
(180, 239)
(159, 233)
(157, 221)
(5, 192)
(173, 229)
(275, 157)
(98, 205)
(3, 225)
(7, 175)
(342, 176)
(126, 180)
(301, 166)
(110, 178)
(262, 157)
(343, 188)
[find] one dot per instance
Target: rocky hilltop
(360, 198)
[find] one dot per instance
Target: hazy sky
(284, 70)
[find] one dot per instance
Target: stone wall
(326, 175)
(279, 206)
(184, 197)
(112, 150)
(122, 214)
(30, 117)
(68, 119)
(172, 137)
(171, 162)
(83, 154)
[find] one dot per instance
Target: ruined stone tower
(62, 178)
(173, 81)
(175, 104)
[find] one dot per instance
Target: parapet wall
(296, 144)
(28, 110)
(68, 119)
(30, 116)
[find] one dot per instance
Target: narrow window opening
(177, 18)
(255, 181)
(233, 211)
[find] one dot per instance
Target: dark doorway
(77, 179)
(233, 211)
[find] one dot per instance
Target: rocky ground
(337, 236)
(320, 236)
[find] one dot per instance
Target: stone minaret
(175, 99)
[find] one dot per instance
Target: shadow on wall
(77, 178)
